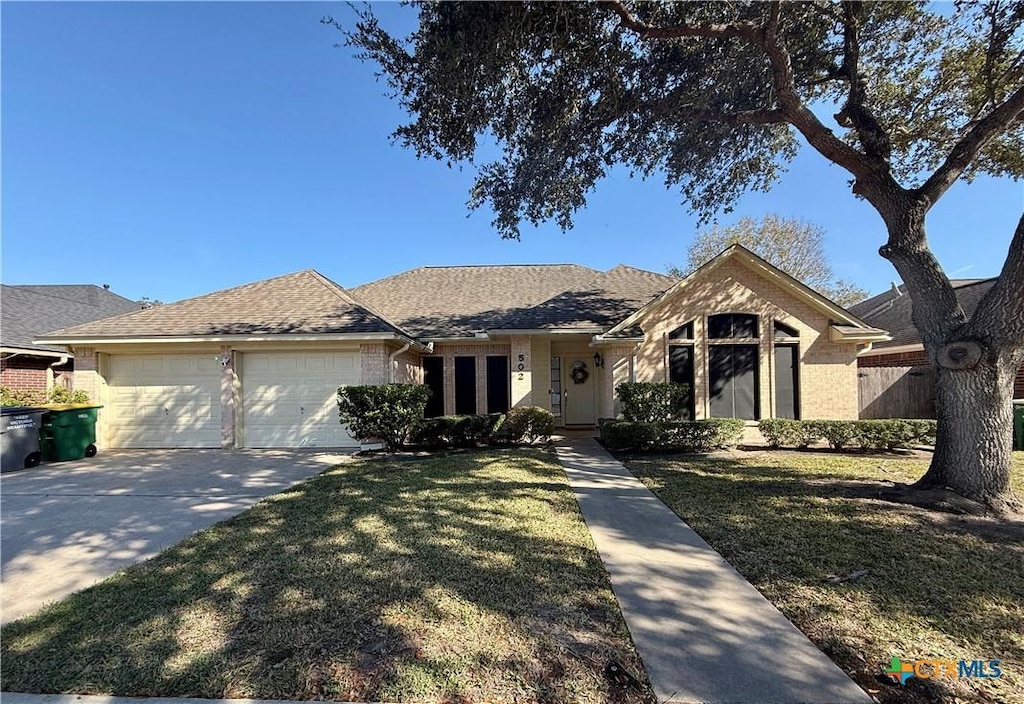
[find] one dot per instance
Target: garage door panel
(290, 398)
(164, 401)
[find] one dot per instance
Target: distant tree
(716, 97)
(795, 246)
(147, 302)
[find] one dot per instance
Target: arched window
(732, 326)
(683, 333)
(783, 330)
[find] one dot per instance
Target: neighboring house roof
(456, 301)
(31, 311)
(601, 302)
(302, 303)
(893, 310)
(845, 325)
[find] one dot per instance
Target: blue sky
(172, 149)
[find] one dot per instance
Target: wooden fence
(896, 392)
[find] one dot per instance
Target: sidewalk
(704, 633)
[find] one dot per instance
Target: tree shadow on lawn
(468, 578)
(788, 530)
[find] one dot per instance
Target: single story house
(258, 365)
(31, 311)
(896, 377)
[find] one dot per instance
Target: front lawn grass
(865, 579)
(470, 577)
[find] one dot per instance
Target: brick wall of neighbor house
(469, 349)
(896, 359)
(23, 373)
(828, 371)
(23, 377)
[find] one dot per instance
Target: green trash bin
(69, 433)
(1018, 425)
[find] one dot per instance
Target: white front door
(290, 398)
(170, 400)
(578, 385)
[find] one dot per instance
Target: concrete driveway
(66, 526)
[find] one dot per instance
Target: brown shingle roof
(893, 312)
(302, 303)
(453, 301)
(600, 303)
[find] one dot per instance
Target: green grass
(937, 585)
(463, 578)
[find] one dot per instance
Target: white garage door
(164, 401)
(290, 399)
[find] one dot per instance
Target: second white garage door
(290, 399)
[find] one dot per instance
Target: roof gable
(33, 310)
(762, 268)
(305, 302)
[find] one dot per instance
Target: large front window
(433, 379)
(465, 386)
(680, 363)
(733, 366)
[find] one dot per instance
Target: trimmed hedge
(672, 436)
(875, 435)
(455, 431)
(651, 402)
(520, 425)
(386, 412)
(527, 424)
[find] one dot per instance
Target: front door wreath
(579, 372)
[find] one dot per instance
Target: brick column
(87, 378)
(700, 366)
(229, 387)
(522, 372)
(373, 364)
(617, 362)
(87, 375)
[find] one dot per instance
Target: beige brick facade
(522, 371)
(828, 370)
(618, 362)
(373, 364)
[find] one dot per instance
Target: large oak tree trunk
(975, 358)
(974, 442)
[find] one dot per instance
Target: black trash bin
(19, 437)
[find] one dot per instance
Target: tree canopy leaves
(709, 96)
(795, 246)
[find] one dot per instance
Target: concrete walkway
(704, 633)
